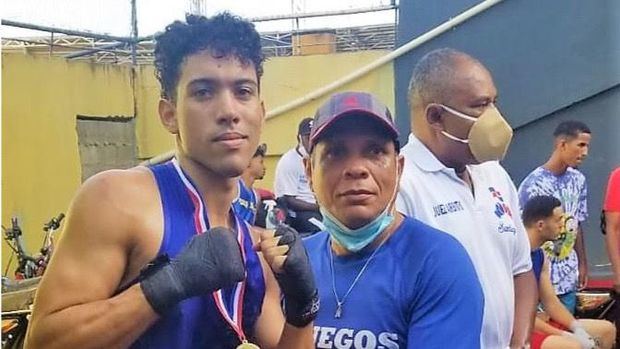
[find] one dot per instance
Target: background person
(291, 184)
(611, 210)
(560, 177)
(611, 217)
(556, 327)
(453, 182)
(248, 201)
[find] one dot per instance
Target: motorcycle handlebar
(54, 223)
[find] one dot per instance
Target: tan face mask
(489, 136)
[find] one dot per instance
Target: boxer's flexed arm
(75, 305)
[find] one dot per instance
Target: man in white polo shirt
(291, 185)
(452, 181)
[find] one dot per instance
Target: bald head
(447, 77)
(433, 76)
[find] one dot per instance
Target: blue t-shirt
(419, 291)
(570, 188)
(246, 203)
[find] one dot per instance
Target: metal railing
(103, 48)
(275, 44)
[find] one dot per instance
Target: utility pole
(297, 7)
(198, 7)
(134, 32)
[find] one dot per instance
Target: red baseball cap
(351, 104)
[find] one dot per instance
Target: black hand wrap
(210, 261)
(301, 299)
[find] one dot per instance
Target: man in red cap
(385, 280)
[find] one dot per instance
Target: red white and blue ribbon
(201, 222)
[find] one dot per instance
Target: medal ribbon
(201, 222)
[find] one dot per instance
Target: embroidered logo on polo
(449, 207)
(500, 206)
(501, 210)
(303, 179)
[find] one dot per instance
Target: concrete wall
(552, 61)
(151, 136)
(42, 96)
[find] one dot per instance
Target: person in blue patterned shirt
(248, 201)
(560, 177)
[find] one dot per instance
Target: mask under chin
(355, 239)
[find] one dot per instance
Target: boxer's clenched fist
(287, 258)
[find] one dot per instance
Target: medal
(247, 345)
(234, 317)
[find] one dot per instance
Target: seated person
(247, 201)
(385, 280)
(265, 194)
(291, 185)
(556, 328)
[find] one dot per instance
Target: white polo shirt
(488, 225)
(290, 177)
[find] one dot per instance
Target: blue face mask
(356, 239)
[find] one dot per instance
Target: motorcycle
(18, 294)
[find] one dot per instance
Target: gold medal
(247, 345)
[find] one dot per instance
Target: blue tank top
(196, 322)
(538, 259)
(245, 203)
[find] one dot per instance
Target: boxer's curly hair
(223, 35)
